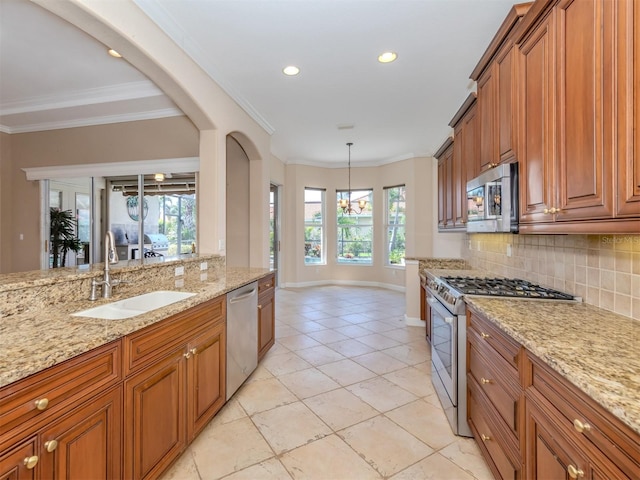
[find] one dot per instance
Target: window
(314, 231)
(395, 220)
(355, 231)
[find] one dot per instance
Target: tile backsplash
(602, 269)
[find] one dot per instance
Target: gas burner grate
(503, 287)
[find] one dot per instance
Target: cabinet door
(536, 128)
(506, 123)
(87, 443)
(154, 426)
(487, 103)
(585, 109)
(266, 323)
(628, 75)
(459, 181)
(206, 378)
(20, 462)
(448, 189)
(442, 198)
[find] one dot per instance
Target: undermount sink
(130, 307)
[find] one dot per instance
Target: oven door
(444, 348)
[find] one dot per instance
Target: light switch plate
(179, 271)
(204, 266)
(179, 283)
(203, 277)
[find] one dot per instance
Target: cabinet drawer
(487, 436)
(266, 284)
(586, 422)
(503, 345)
(45, 393)
(156, 341)
(504, 399)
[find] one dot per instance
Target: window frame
(313, 224)
(371, 225)
(389, 224)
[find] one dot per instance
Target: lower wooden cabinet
(530, 422)
(19, 462)
(266, 315)
(86, 443)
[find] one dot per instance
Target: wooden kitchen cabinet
(496, 77)
(572, 100)
(65, 421)
(444, 155)
(266, 314)
(495, 396)
(530, 422)
(87, 442)
(170, 398)
(206, 379)
(19, 462)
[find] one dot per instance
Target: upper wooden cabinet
(444, 155)
(578, 118)
(496, 77)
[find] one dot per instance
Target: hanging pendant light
(345, 203)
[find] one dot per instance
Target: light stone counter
(596, 350)
(35, 339)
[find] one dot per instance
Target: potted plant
(63, 237)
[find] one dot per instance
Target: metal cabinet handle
(484, 335)
(51, 445)
(42, 403)
(193, 351)
(581, 427)
(485, 381)
(485, 438)
(31, 462)
(187, 355)
(574, 472)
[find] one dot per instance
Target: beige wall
(603, 269)
(237, 212)
(6, 190)
(414, 173)
(174, 137)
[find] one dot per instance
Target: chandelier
(345, 203)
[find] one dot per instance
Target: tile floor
(345, 393)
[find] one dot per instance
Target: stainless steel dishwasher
(242, 335)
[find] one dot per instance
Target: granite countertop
(594, 349)
(31, 342)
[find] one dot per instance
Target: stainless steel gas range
(445, 296)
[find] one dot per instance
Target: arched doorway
(238, 206)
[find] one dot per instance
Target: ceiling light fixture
(113, 53)
(159, 177)
(291, 70)
(345, 203)
(387, 57)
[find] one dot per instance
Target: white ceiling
(398, 110)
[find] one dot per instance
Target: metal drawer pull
(31, 462)
(581, 427)
(485, 438)
(484, 335)
(484, 381)
(574, 472)
(51, 445)
(186, 355)
(42, 403)
(194, 351)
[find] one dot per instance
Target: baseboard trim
(351, 283)
(414, 322)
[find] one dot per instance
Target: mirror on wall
(79, 211)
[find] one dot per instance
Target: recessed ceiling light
(291, 70)
(387, 57)
(113, 53)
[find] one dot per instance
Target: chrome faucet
(110, 257)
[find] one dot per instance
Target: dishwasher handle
(240, 298)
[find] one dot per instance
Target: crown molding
(92, 121)
(376, 163)
(79, 98)
(136, 167)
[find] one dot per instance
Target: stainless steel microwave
(492, 200)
